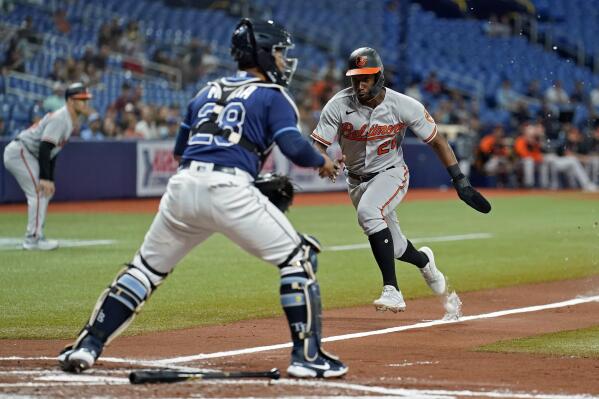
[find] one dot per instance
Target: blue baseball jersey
(259, 111)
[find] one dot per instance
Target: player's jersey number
(387, 146)
(230, 118)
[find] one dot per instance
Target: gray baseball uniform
(370, 139)
(21, 159)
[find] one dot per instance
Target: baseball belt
(368, 177)
(216, 168)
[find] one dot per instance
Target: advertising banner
(155, 165)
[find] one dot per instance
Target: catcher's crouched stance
(300, 299)
(230, 127)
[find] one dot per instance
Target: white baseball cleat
(77, 360)
(321, 367)
(391, 299)
(40, 244)
(433, 277)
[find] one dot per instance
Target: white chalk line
(11, 243)
(202, 356)
(459, 237)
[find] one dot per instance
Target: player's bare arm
(443, 150)
(337, 164)
(328, 169)
(465, 191)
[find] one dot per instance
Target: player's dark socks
(382, 248)
(413, 256)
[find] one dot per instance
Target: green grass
(50, 295)
(578, 343)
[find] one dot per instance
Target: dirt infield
(424, 360)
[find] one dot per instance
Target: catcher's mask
(254, 44)
(366, 61)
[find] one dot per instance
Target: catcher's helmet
(366, 61)
(78, 91)
(254, 44)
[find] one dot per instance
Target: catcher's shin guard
(118, 305)
(300, 298)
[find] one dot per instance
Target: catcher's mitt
(278, 189)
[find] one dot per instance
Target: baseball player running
(31, 156)
(369, 121)
(230, 126)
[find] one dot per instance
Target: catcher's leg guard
(300, 298)
(313, 249)
(114, 311)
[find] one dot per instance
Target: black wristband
(455, 172)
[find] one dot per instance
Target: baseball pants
(375, 202)
(25, 168)
(199, 202)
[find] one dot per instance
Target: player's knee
(132, 288)
(156, 278)
(304, 256)
(311, 248)
(369, 218)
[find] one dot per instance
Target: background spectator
(55, 100)
(93, 131)
(146, 126)
(494, 156)
(557, 97)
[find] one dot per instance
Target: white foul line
(426, 324)
(202, 356)
(459, 237)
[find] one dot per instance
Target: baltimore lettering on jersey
(376, 132)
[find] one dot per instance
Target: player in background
(369, 121)
(230, 127)
(31, 156)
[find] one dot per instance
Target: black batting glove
(466, 192)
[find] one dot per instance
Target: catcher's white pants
(375, 202)
(199, 202)
(26, 169)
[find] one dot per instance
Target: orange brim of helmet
(363, 71)
(82, 96)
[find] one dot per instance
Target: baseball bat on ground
(157, 376)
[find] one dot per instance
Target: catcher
(230, 126)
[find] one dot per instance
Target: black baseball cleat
(323, 366)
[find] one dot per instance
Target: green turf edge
(582, 343)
